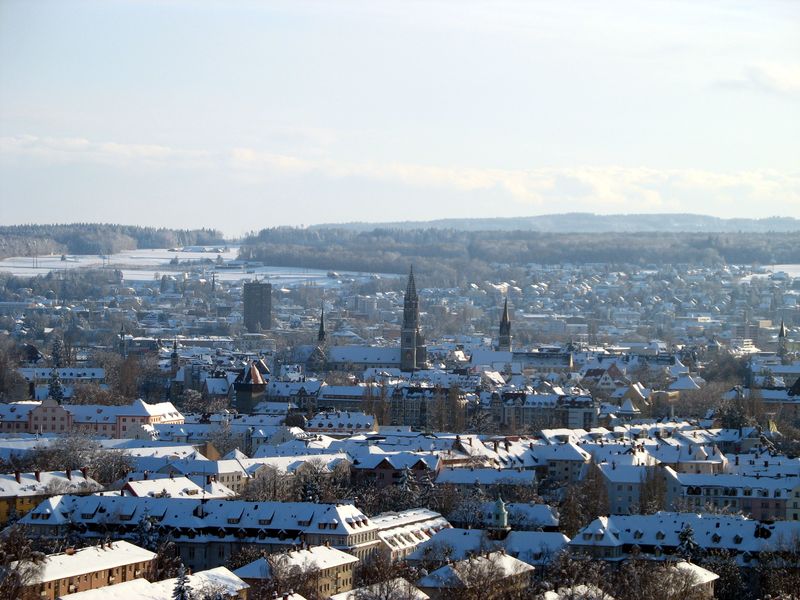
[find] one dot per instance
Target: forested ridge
(96, 238)
(453, 254)
(593, 223)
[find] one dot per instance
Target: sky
(240, 115)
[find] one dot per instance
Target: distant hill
(592, 223)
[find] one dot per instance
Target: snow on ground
(143, 265)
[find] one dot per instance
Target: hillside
(592, 223)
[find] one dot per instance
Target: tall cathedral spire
(413, 354)
(504, 339)
(321, 335)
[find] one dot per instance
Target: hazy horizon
(242, 115)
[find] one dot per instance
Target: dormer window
(660, 535)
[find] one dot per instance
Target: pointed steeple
(504, 337)
(321, 335)
(413, 354)
(782, 331)
(411, 287)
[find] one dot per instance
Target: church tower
(504, 340)
(321, 335)
(782, 339)
(413, 354)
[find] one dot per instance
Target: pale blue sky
(243, 114)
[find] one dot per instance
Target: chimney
(18, 476)
(38, 474)
(84, 471)
(146, 474)
(736, 462)
(69, 474)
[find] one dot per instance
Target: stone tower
(504, 340)
(413, 354)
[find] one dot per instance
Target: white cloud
(601, 189)
(81, 150)
(773, 78)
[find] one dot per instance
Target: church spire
(413, 354)
(321, 335)
(411, 286)
(504, 339)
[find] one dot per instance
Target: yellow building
(22, 492)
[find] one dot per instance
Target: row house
(89, 568)
(756, 496)
(49, 416)
(328, 570)
(208, 533)
(38, 379)
(383, 470)
(616, 537)
(22, 492)
(521, 411)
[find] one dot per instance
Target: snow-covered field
(145, 265)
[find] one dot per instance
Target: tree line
(96, 238)
(449, 253)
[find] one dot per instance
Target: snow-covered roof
(404, 589)
(45, 482)
(312, 558)
(457, 575)
(90, 559)
(485, 477)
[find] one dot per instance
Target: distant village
(591, 432)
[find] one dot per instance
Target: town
(590, 431)
(380, 300)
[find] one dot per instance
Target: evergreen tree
(146, 532)
(688, 548)
(57, 353)
(427, 491)
(182, 590)
(55, 389)
(311, 490)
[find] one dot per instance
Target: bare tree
(19, 562)
(380, 578)
(270, 484)
(652, 492)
